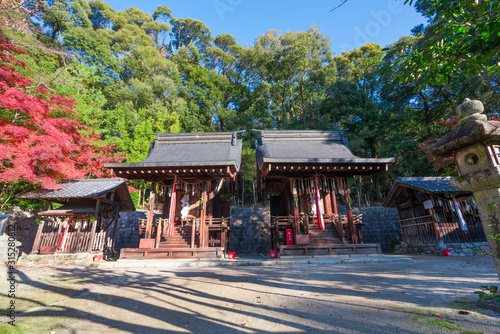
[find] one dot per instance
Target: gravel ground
(427, 295)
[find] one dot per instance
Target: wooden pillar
(165, 213)
(38, 238)
(149, 222)
(307, 224)
(159, 229)
(210, 201)
(115, 229)
(193, 232)
(165, 210)
(350, 218)
(203, 228)
(287, 197)
(295, 205)
(359, 191)
(94, 224)
(334, 199)
(328, 203)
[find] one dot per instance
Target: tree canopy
(105, 80)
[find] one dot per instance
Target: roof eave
(204, 164)
(360, 161)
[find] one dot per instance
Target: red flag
(173, 200)
(62, 243)
(321, 225)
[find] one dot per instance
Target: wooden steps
(180, 239)
(327, 242)
(334, 249)
(326, 237)
(177, 246)
(170, 253)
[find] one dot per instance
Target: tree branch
(341, 4)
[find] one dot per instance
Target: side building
(431, 211)
(80, 216)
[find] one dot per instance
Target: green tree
(462, 40)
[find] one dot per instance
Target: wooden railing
(420, 230)
(339, 222)
(211, 236)
(280, 224)
(214, 226)
(75, 241)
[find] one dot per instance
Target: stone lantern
(475, 145)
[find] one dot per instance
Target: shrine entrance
(191, 177)
(306, 175)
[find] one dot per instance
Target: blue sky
(349, 26)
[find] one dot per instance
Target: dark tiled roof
(308, 146)
(85, 189)
(437, 184)
(426, 184)
(191, 149)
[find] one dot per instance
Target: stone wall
(250, 231)
(383, 225)
(25, 228)
(250, 228)
(457, 249)
(128, 235)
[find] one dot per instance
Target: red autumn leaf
(40, 141)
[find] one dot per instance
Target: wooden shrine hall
(304, 171)
(431, 210)
(189, 173)
(86, 219)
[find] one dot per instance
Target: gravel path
(427, 295)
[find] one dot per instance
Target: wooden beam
(94, 224)
(149, 221)
(193, 232)
(328, 203)
(203, 228)
(350, 217)
(107, 201)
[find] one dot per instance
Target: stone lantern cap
(467, 135)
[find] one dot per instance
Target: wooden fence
(420, 230)
(75, 241)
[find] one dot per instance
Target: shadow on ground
(306, 298)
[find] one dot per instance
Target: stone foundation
(457, 249)
(383, 225)
(250, 230)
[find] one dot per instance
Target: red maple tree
(440, 162)
(39, 141)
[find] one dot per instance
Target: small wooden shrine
(431, 210)
(304, 172)
(189, 173)
(81, 215)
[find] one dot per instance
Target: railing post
(38, 238)
(158, 231)
(193, 232)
